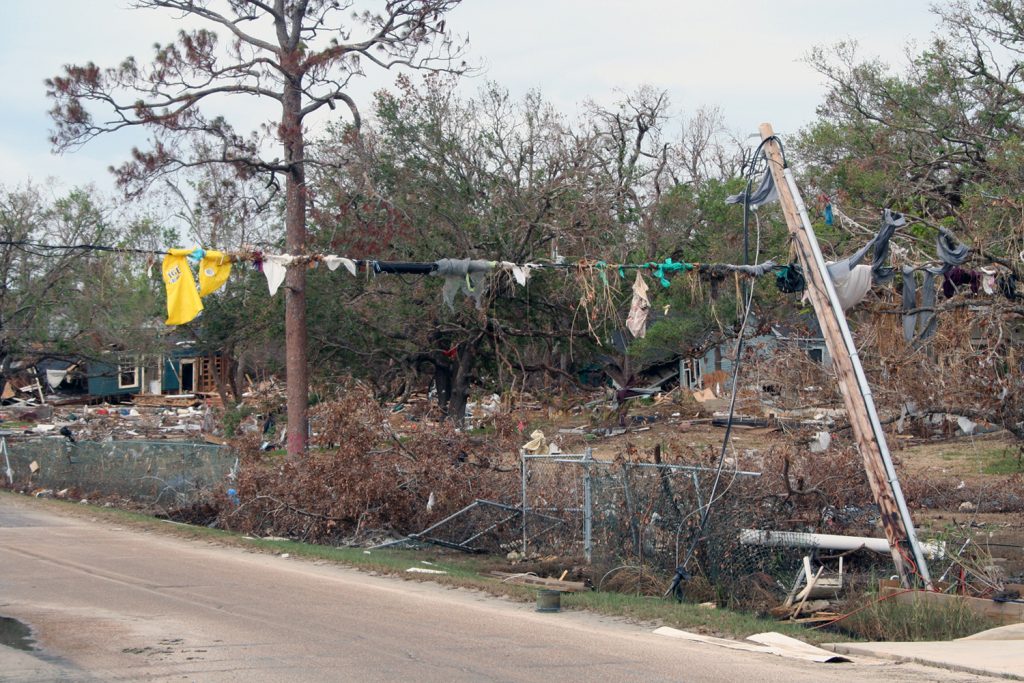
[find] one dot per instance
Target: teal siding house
(180, 372)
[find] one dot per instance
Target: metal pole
(746, 235)
(7, 461)
(588, 522)
(522, 455)
(696, 489)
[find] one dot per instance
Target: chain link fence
(641, 520)
(157, 473)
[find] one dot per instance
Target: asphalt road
(120, 604)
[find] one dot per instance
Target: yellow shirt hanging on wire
(213, 272)
(183, 302)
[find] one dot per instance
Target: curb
(866, 650)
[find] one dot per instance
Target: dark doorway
(188, 376)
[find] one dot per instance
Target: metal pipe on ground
(799, 539)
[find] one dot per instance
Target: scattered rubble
(106, 422)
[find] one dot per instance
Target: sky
(743, 56)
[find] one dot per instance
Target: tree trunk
(238, 380)
(460, 385)
(443, 385)
(295, 339)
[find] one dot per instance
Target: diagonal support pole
(860, 405)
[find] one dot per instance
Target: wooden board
(553, 584)
(157, 400)
(1000, 612)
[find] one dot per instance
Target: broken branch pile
(361, 479)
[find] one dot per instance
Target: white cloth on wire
(275, 267)
(55, 377)
(333, 262)
(637, 320)
(852, 285)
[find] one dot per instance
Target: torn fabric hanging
(851, 280)
(957, 279)
(926, 321)
(520, 273)
(465, 275)
(333, 262)
(765, 193)
(851, 284)
(909, 304)
(790, 279)
(1008, 285)
(214, 269)
(636, 322)
(881, 273)
(988, 280)
(950, 251)
(55, 377)
(183, 303)
(275, 266)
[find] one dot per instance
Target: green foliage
(72, 302)
(939, 140)
(233, 418)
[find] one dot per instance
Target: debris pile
(107, 422)
(361, 478)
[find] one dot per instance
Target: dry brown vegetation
(363, 479)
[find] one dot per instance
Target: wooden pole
(870, 438)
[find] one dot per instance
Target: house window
(127, 376)
(817, 355)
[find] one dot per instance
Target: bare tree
(301, 54)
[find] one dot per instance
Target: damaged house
(181, 371)
(715, 365)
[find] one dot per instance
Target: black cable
(22, 244)
(681, 571)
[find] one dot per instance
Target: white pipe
(798, 539)
(865, 388)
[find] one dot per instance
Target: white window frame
(122, 370)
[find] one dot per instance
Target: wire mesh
(153, 472)
(555, 489)
(645, 516)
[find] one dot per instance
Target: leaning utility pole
(860, 406)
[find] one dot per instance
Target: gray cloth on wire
(754, 271)
(851, 280)
(926, 321)
(951, 252)
(765, 193)
(909, 304)
(466, 275)
(923, 323)
(881, 273)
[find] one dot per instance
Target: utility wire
(681, 571)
